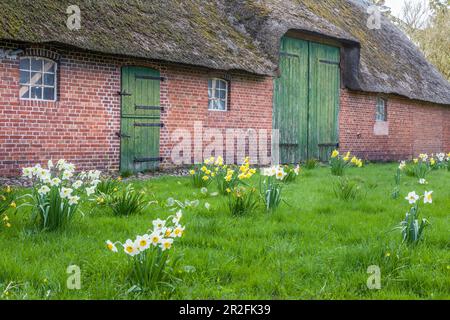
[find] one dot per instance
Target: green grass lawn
(317, 247)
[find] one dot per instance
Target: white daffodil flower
(90, 190)
(43, 190)
(178, 231)
(166, 244)
(60, 164)
(280, 174)
(55, 182)
(27, 173)
(158, 223)
(65, 192)
(402, 165)
(204, 190)
(207, 205)
(427, 197)
(94, 183)
(142, 242)
(155, 238)
(422, 181)
(130, 248)
(77, 184)
(67, 175)
(73, 200)
(111, 246)
(412, 197)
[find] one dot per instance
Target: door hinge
(139, 124)
(140, 107)
(138, 76)
(123, 93)
(328, 145)
(122, 135)
(155, 159)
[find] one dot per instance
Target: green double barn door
(306, 100)
(140, 119)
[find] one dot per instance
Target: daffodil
(111, 246)
(158, 223)
(130, 248)
(427, 197)
(43, 190)
(142, 242)
(416, 160)
(422, 181)
(432, 161)
(77, 184)
(166, 244)
(13, 205)
(192, 172)
(73, 200)
(27, 173)
(280, 174)
(412, 197)
(228, 190)
(205, 178)
(65, 192)
(335, 154)
(402, 165)
(178, 231)
(55, 182)
(155, 238)
(90, 190)
(67, 175)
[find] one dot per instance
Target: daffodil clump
(202, 174)
(57, 191)
(242, 200)
(339, 162)
(270, 187)
(228, 178)
(292, 172)
(7, 202)
(150, 265)
(411, 228)
(125, 202)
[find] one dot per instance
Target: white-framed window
(37, 79)
(217, 94)
(381, 112)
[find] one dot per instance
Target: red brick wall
(81, 126)
(414, 127)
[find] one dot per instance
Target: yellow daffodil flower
(335, 154)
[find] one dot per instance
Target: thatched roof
(230, 34)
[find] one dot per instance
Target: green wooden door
(323, 135)
(306, 100)
(290, 114)
(140, 119)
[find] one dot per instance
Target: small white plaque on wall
(381, 128)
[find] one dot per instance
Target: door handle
(122, 135)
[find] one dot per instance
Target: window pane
(24, 77)
(36, 65)
(24, 92)
(210, 94)
(49, 79)
(221, 104)
(49, 66)
(222, 94)
(36, 93)
(25, 64)
(36, 78)
(49, 94)
(221, 84)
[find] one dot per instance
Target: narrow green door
(140, 119)
(306, 100)
(323, 135)
(290, 114)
